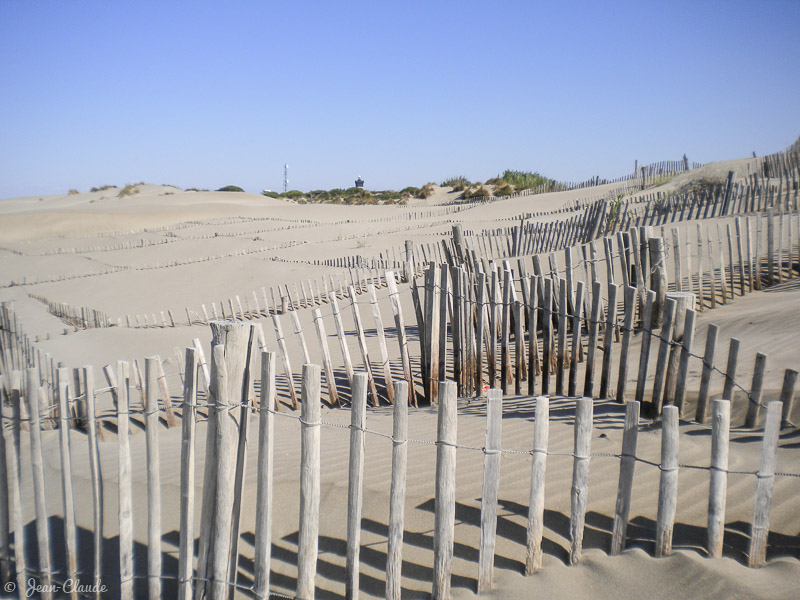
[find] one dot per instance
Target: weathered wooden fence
(242, 386)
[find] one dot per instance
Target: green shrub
(230, 188)
(102, 188)
(73, 192)
(270, 194)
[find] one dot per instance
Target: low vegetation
(128, 190)
(230, 188)
(352, 195)
(515, 181)
(459, 183)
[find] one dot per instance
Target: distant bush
(503, 189)
(426, 191)
(521, 180)
(102, 188)
(702, 185)
(230, 188)
(72, 192)
(196, 190)
(459, 183)
(270, 194)
(293, 194)
(476, 192)
(409, 191)
(128, 190)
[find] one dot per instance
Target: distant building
(359, 182)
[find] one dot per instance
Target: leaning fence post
(444, 518)
(668, 486)
(394, 554)
(718, 483)
(627, 465)
(663, 355)
(754, 399)
(580, 476)
(787, 395)
(705, 377)
(757, 552)
(491, 484)
(730, 370)
(309, 482)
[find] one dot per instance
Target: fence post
(575, 351)
(66, 478)
(32, 392)
(594, 323)
(125, 489)
(787, 395)
(627, 464)
(189, 412)
(333, 393)
(444, 518)
(354, 482)
(401, 336)
(580, 476)
(309, 482)
(668, 485)
(387, 369)
(94, 469)
(491, 485)
(263, 526)
(15, 488)
(754, 399)
(683, 366)
(152, 376)
(608, 339)
(536, 503)
(718, 483)
(627, 331)
(394, 554)
(658, 279)
(730, 370)
(663, 355)
(757, 552)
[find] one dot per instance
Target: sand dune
(84, 237)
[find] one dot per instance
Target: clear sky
(206, 94)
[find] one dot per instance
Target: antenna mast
(285, 178)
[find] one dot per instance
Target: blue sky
(206, 94)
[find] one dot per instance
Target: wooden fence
(241, 385)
